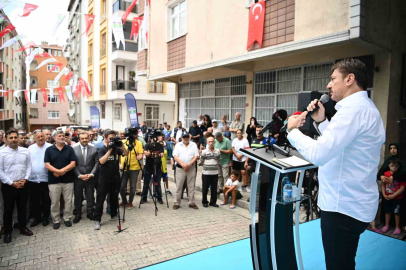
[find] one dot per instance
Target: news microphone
(266, 128)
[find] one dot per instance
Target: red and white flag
(27, 95)
(43, 63)
(26, 46)
(44, 97)
(56, 65)
(89, 19)
(60, 94)
(145, 23)
(135, 28)
(42, 55)
(68, 76)
(256, 24)
(28, 8)
(127, 12)
(7, 30)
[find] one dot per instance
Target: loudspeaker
(402, 139)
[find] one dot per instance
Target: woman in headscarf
(251, 129)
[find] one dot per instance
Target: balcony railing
(103, 89)
(123, 5)
(102, 52)
(124, 85)
(90, 60)
(103, 18)
(129, 47)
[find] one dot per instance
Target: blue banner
(94, 117)
(132, 109)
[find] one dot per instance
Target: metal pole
(27, 87)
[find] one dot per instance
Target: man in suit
(85, 171)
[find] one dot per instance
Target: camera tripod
(118, 197)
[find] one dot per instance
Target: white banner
(51, 92)
(12, 41)
(4, 3)
(145, 23)
(33, 96)
(68, 91)
(117, 28)
(30, 57)
(16, 92)
(59, 20)
(65, 71)
(75, 82)
(49, 60)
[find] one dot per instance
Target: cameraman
(153, 151)
(109, 176)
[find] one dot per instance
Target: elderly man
(85, 170)
(216, 127)
(15, 169)
(236, 125)
(60, 160)
(47, 134)
(224, 145)
(223, 124)
(37, 184)
(185, 154)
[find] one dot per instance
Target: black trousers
(40, 203)
(210, 180)
(79, 185)
(13, 196)
(103, 188)
(156, 184)
(340, 234)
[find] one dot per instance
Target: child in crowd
(392, 192)
(232, 188)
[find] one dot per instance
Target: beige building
(201, 46)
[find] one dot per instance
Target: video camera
(154, 134)
(115, 143)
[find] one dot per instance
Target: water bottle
(287, 190)
(294, 192)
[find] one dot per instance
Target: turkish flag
(42, 55)
(44, 96)
(128, 10)
(135, 28)
(27, 95)
(89, 21)
(67, 76)
(256, 24)
(26, 46)
(60, 94)
(56, 65)
(7, 29)
(28, 8)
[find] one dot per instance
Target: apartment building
(12, 77)
(56, 112)
(111, 71)
(215, 74)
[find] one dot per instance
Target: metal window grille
(152, 115)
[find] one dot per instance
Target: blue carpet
(374, 252)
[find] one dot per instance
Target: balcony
(102, 52)
(129, 54)
(124, 85)
(103, 89)
(90, 60)
(123, 5)
(103, 18)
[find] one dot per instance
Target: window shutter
(164, 88)
(147, 86)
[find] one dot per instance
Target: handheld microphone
(324, 99)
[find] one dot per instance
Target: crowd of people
(47, 174)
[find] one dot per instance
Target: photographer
(131, 166)
(153, 151)
(109, 175)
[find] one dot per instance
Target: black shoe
(160, 201)
(68, 223)
(45, 222)
(35, 223)
(7, 238)
(90, 216)
(205, 205)
(143, 200)
(214, 205)
(76, 219)
(56, 226)
(26, 232)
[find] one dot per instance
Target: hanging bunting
(60, 94)
(128, 10)
(89, 19)
(118, 33)
(51, 93)
(27, 95)
(30, 57)
(44, 97)
(59, 20)
(16, 92)
(6, 93)
(145, 23)
(68, 90)
(135, 27)
(68, 76)
(28, 8)
(44, 54)
(88, 86)
(26, 46)
(43, 63)
(63, 71)
(85, 86)
(7, 29)
(12, 41)
(56, 65)
(1, 18)
(34, 96)
(4, 3)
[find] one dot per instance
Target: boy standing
(232, 188)
(210, 159)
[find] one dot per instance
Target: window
(178, 20)
(55, 99)
(120, 73)
(103, 110)
(55, 52)
(59, 53)
(103, 41)
(49, 51)
(103, 81)
(117, 112)
(152, 115)
(156, 87)
(50, 83)
(53, 114)
(51, 66)
(1, 103)
(91, 82)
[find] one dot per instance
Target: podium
(273, 243)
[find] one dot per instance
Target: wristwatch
(289, 130)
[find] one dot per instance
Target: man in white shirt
(185, 154)
(40, 202)
(15, 169)
(216, 127)
(348, 154)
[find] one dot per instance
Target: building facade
(215, 74)
(112, 71)
(56, 112)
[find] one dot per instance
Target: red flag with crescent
(60, 94)
(28, 8)
(26, 46)
(6, 93)
(42, 55)
(128, 10)
(56, 65)
(89, 19)
(7, 30)
(26, 94)
(135, 28)
(44, 96)
(256, 24)
(83, 88)
(67, 76)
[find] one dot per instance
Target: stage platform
(375, 251)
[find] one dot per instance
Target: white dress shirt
(38, 172)
(81, 149)
(348, 154)
(15, 165)
(186, 153)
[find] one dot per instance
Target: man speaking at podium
(348, 154)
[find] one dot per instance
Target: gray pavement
(149, 239)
